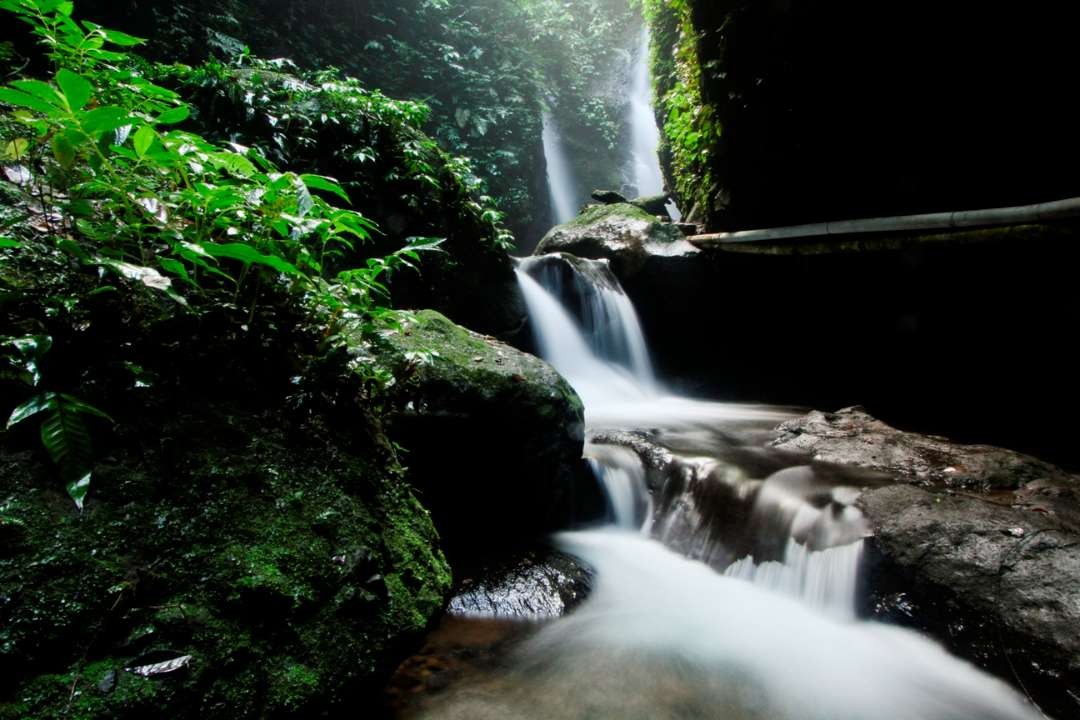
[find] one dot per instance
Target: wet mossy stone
(622, 233)
(495, 435)
(293, 575)
(249, 523)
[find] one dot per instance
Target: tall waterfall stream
(726, 581)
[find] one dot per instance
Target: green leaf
(104, 119)
(74, 404)
(33, 406)
(15, 150)
(77, 89)
(65, 149)
(6, 242)
(114, 36)
(174, 115)
(250, 256)
(321, 182)
(78, 489)
(16, 98)
(144, 138)
(41, 90)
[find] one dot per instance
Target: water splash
(824, 579)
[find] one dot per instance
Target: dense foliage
(485, 68)
(101, 177)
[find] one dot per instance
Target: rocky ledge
(977, 545)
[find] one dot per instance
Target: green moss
(598, 213)
(279, 553)
(692, 132)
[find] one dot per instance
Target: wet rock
(607, 197)
(536, 586)
(852, 437)
(1000, 584)
(622, 233)
(494, 435)
(653, 204)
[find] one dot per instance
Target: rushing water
(726, 581)
(745, 610)
(561, 182)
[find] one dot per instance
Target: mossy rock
(247, 518)
(495, 436)
(623, 233)
(293, 575)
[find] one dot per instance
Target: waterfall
(600, 349)
(606, 316)
(561, 184)
(644, 133)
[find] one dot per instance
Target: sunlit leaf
(33, 406)
(144, 138)
(320, 182)
(77, 89)
(174, 115)
(249, 255)
(78, 489)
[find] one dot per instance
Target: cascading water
(661, 635)
(644, 133)
(561, 183)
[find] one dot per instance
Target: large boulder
(495, 435)
(977, 545)
(1001, 584)
(620, 232)
(250, 546)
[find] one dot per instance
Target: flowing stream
(727, 578)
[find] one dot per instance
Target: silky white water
(561, 183)
(665, 636)
(644, 133)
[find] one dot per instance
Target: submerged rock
(495, 435)
(538, 585)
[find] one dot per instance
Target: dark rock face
(607, 197)
(805, 126)
(1010, 575)
(654, 205)
(887, 322)
(538, 585)
(472, 401)
(851, 437)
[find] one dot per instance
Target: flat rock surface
(852, 437)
